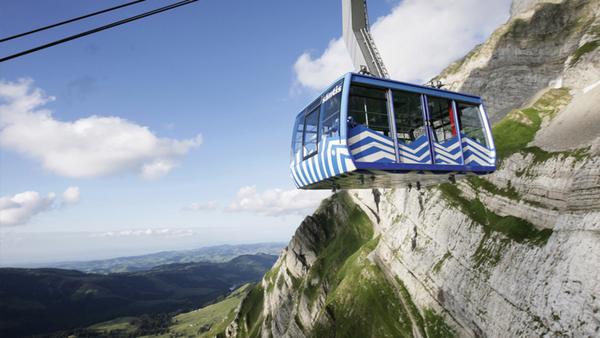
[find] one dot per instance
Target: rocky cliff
(545, 43)
(512, 254)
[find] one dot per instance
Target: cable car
(371, 132)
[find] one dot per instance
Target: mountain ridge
(214, 254)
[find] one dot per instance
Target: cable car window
(297, 136)
(471, 123)
(330, 111)
(368, 106)
(311, 132)
(442, 119)
(408, 114)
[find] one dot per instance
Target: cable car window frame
(445, 119)
(297, 136)
(384, 112)
(482, 126)
(333, 95)
(397, 117)
(314, 108)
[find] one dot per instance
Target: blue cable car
(370, 132)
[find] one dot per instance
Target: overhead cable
(69, 21)
(156, 11)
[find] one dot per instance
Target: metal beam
(359, 42)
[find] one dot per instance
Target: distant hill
(214, 254)
(34, 301)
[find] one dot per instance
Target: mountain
(511, 254)
(544, 44)
(214, 254)
(46, 300)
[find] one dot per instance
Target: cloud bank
(213, 205)
(87, 148)
(417, 40)
(21, 208)
(277, 202)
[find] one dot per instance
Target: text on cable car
(332, 93)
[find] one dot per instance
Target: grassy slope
(205, 322)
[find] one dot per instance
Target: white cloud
(71, 195)
(322, 71)
(19, 209)
(417, 40)
(212, 205)
(277, 202)
(87, 148)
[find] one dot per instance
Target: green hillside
(204, 322)
(48, 300)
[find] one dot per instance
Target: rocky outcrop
(523, 269)
(541, 45)
(293, 294)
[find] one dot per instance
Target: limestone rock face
(491, 282)
(543, 44)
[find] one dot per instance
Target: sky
(173, 132)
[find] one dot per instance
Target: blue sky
(173, 132)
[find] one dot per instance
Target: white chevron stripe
(376, 156)
(408, 160)
(443, 152)
(365, 134)
(485, 156)
(479, 147)
(371, 145)
(475, 144)
(414, 157)
(477, 160)
(413, 151)
(447, 148)
(445, 159)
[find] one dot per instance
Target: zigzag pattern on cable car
(448, 152)
(366, 145)
(416, 152)
(476, 153)
(331, 160)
